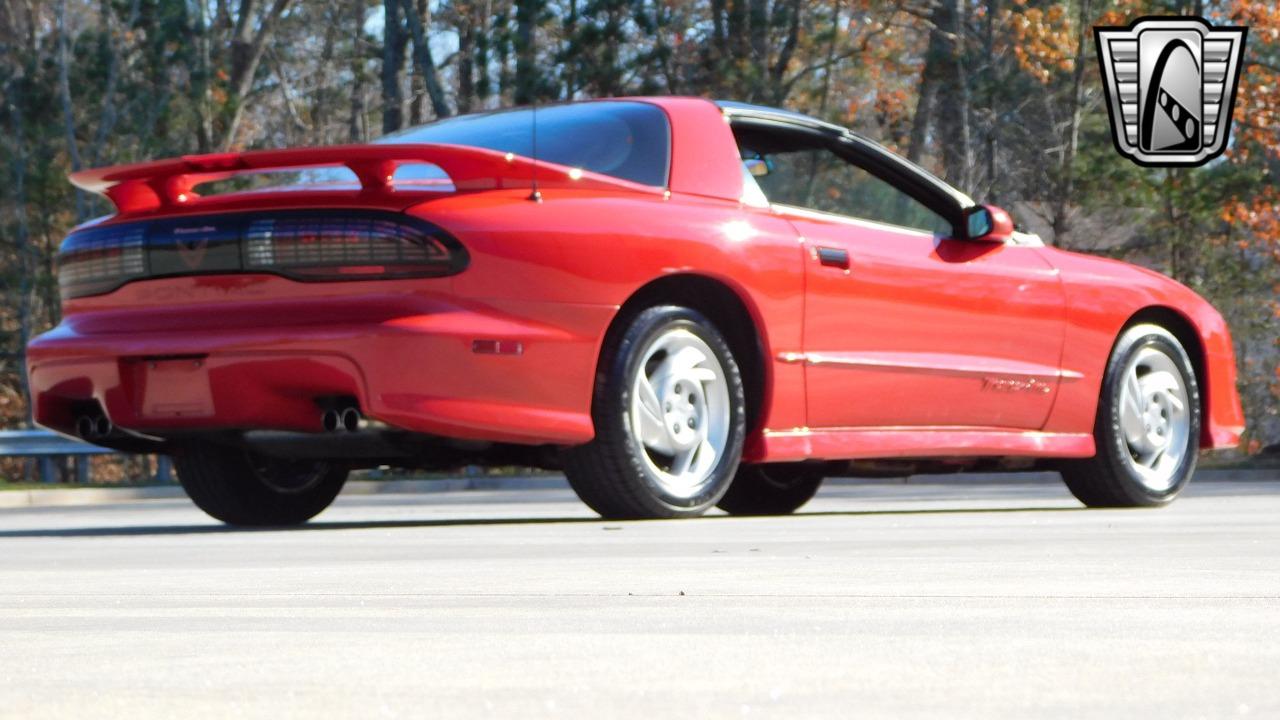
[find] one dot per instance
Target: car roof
(734, 108)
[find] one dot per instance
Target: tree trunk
(993, 121)
(108, 121)
(778, 87)
(466, 57)
(247, 48)
(946, 54)
(68, 108)
(21, 235)
(322, 96)
(758, 20)
(203, 88)
(393, 47)
(572, 62)
(502, 51)
(417, 83)
(719, 53)
(527, 79)
(927, 94)
(739, 45)
(825, 95)
(484, 87)
(357, 129)
(1071, 142)
(422, 56)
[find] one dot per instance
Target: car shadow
(322, 525)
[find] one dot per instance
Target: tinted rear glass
(627, 140)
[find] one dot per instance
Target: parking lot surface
(880, 599)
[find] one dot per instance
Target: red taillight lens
(100, 260)
(301, 244)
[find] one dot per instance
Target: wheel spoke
(706, 453)
(1150, 459)
(1166, 384)
(685, 360)
(648, 415)
(683, 460)
(701, 374)
(653, 432)
(649, 397)
(1131, 410)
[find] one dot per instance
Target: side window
(817, 179)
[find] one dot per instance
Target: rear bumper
(418, 371)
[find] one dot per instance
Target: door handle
(833, 257)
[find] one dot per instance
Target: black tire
(772, 489)
(1109, 479)
(240, 488)
(610, 474)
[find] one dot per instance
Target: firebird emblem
(193, 251)
(1171, 85)
(1000, 384)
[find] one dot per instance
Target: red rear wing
(168, 184)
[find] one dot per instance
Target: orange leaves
(1043, 40)
(894, 106)
(1113, 18)
(1263, 18)
(1124, 12)
(1257, 112)
(1258, 213)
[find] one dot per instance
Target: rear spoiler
(164, 184)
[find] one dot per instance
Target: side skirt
(917, 442)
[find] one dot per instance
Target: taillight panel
(307, 245)
(100, 260)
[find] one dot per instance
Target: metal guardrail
(44, 446)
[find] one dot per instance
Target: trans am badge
(1171, 85)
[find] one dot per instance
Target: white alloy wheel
(1154, 417)
(680, 411)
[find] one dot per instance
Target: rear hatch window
(626, 140)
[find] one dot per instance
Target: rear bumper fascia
(418, 372)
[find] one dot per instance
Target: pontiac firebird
(679, 303)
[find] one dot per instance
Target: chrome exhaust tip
(331, 420)
(86, 427)
(350, 419)
(93, 427)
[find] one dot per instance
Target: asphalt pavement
(878, 600)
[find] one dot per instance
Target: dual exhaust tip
(93, 427)
(346, 419)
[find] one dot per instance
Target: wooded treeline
(1001, 97)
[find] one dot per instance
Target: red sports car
(681, 303)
